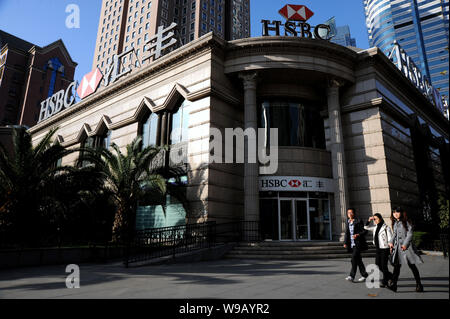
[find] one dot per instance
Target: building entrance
(295, 216)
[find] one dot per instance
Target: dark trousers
(357, 262)
(413, 268)
(381, 260)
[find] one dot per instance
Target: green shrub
(420, 238)
(443, 212)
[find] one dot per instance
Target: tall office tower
(126, 24)
(29, 74)
(421, 27)
(343, 37)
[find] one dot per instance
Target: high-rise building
(30, 74)
(343, 37)
(421, 27)
(126, 24)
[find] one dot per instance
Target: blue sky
(43, 22)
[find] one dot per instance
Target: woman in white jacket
(382, 235)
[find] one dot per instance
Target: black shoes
(392, 286)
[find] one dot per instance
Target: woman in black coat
(355, 242)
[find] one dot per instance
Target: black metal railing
(436, 244)
(159, 242)
(154, 243)
(444, 244)
(240, 231)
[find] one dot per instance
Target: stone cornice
(412, 97)
(286, 45)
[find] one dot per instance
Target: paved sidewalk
(221, 279)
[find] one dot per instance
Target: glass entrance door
(301, 220)
(286, 220)
(294, 219)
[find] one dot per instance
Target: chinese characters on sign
(296, 183)
(163, 40)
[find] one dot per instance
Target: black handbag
(392, 258)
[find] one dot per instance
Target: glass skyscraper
(421, 27)
(343, 37)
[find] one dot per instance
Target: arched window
(97, 141)
(149, 130)
(179, 124)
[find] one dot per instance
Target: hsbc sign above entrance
(295, 25)
(296, 183)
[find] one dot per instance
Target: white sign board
(296, 184)
(405, 64)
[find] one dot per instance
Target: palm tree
(131, 178)
(27, 177)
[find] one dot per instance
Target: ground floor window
(153, 216)
(295, 216)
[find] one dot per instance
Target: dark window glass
(299, 124)
(293, 194)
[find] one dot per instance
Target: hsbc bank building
(353, 130)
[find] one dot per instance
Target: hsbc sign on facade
(163, 40)
(296, 183)
(89, 84)
(295, 25)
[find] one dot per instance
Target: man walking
(355, 242)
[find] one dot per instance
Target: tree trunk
(119, 225)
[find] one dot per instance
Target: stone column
(163, 136)
(251, 170)
(337, 157)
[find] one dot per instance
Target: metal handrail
(154, 243)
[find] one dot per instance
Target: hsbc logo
(295, 183)
(64, 99)
(296, 12)
(284, 183)
(90, 83)
(295, 25)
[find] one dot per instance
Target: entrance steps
(275, 250)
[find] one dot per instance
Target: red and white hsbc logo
(90, 83)
(300, 183)
(296, 12)
(295, 183)
(296, 25)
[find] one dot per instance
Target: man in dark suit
(355, 242)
